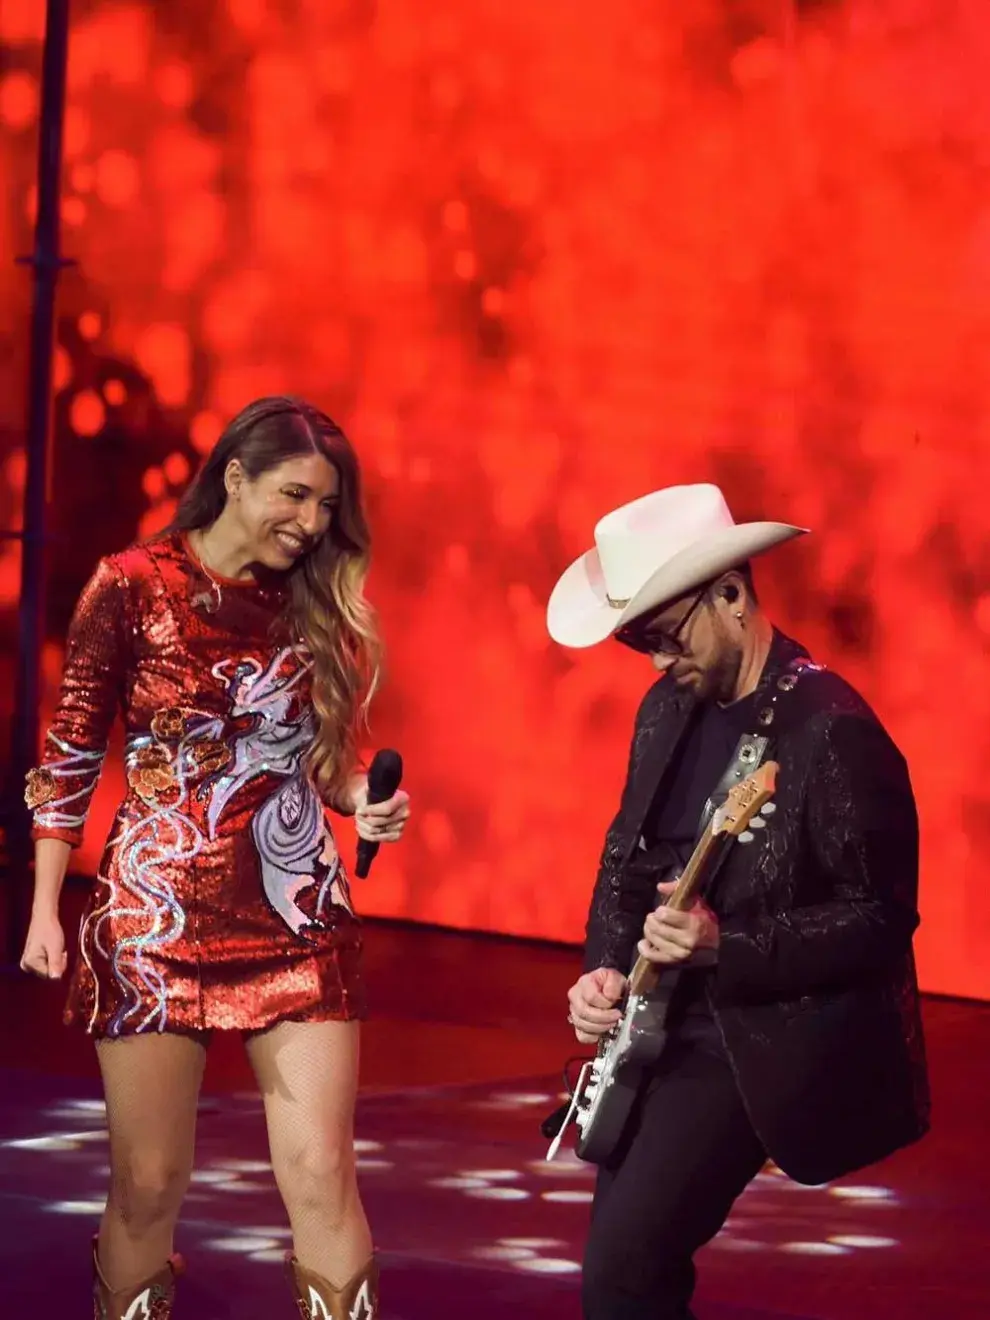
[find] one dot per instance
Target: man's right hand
(592, 1002)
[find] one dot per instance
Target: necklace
(206, 600)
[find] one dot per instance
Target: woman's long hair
(326, 604)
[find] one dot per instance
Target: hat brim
(579, 613)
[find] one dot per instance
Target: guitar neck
(645, 974)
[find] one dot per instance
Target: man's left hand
(674, 938)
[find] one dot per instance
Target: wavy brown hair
(326, 604)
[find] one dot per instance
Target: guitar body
(626, 1057)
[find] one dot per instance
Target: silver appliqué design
(294, 846)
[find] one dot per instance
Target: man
(794, 1029)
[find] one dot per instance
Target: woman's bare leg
(152, 1088)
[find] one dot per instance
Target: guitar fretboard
(645, 974)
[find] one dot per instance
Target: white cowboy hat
(649, 552)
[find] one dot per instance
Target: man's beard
(718, 683)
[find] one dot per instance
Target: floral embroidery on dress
(151, 773)
(40, 788)
(169, 725)
(209, 755)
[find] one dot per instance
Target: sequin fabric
(814, 992)
(220, 900)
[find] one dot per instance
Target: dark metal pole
(46, 262)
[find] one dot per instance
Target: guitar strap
(754, 748)
(748, 756)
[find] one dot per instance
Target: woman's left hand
(380, 822)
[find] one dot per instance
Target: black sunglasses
(642, 636)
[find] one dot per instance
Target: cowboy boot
(319, 1300)
(151, 1300)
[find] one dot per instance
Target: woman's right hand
(44, 949)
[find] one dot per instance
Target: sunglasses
(643, 636)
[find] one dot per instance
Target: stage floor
(462, 1059)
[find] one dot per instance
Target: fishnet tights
(307, 1074)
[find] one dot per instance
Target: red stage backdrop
(540, 258)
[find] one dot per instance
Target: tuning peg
(768, 808)
(758, 823)
(747, 836)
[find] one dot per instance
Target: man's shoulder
(815, 689)
(829, 708)
(823, 692)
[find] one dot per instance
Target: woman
(242, 654)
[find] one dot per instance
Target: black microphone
(384, 778)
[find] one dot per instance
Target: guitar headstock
(746, 801)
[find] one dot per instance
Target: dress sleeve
(59, 791)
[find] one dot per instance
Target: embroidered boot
(151, 1300)
(319, 1300)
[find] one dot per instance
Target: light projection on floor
(466, 1195)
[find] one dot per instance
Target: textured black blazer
(814, 992)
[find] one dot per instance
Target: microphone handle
(366, 850)
(384, 775)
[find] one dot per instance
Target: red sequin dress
(220, 900)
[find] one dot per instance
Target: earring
(739, 615)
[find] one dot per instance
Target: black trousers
(689, 1152)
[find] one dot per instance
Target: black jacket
(815, 992)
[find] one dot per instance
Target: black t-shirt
(694, 772)
(673, 819)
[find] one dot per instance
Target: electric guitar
(609, 1084)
